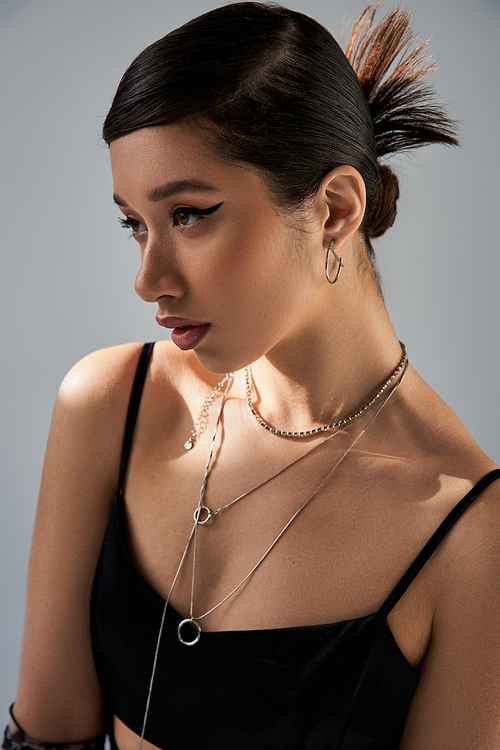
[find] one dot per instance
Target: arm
(457, 702)
(59, 698)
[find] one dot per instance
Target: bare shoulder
(460, 465)
(457, 701)
(92, 402)
(104, 373)
(437, 437)
(98, 387)
(472, 556)
(59, 699)
(99, 378)
(90, 407)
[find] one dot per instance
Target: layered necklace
(203, 514)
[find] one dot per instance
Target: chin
(217, 363)
(221, 362)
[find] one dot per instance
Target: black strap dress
(341, 686)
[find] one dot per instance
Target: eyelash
(128, 222)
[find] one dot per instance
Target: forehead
(151, 157)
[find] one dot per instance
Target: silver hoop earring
(340, 261)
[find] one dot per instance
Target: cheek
(256, 289)
(240, 256)
(247, 269)
(253, 269)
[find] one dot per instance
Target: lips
(186, 334)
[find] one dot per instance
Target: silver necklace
(167, 600)
(327, 427)
(201, 421)
(204, 514)
(194, 621)
(199, 521)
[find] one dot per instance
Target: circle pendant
(188, 445)
(202, 515)
(192, 622)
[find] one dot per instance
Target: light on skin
(256, 274)
(257, 277)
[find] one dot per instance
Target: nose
(157, 275)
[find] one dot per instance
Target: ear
(343, 200)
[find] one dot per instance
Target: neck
(333, 365)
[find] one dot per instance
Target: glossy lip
(178, 322)
(186, 333)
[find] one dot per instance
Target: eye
(134, 225)
(189, 215)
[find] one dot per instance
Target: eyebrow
(169, 189)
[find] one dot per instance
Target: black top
(344, 686)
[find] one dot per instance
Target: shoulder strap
(435, 540)
(133, 409)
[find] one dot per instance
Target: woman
(283, 465)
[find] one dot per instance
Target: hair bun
(383, 202)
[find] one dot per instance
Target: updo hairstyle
(272, 89)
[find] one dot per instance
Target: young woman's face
(230, 276)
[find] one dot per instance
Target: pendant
(188, 444)
(202, 515)
(197, 637)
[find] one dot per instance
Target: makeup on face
(213, 247)
(186, 334)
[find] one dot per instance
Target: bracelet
(15, 739)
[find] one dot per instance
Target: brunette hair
(273, 89)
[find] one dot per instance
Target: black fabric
(343, 686)
(133, 409)
(436, 540)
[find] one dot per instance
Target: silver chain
(202, 420)
(197, 522)
(192, 620)
(327, 427)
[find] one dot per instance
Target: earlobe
(344, 195)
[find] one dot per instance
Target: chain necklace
(201, 421)
(327, 427)
(203, 514)
(208, 514)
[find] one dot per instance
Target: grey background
(67, 269)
